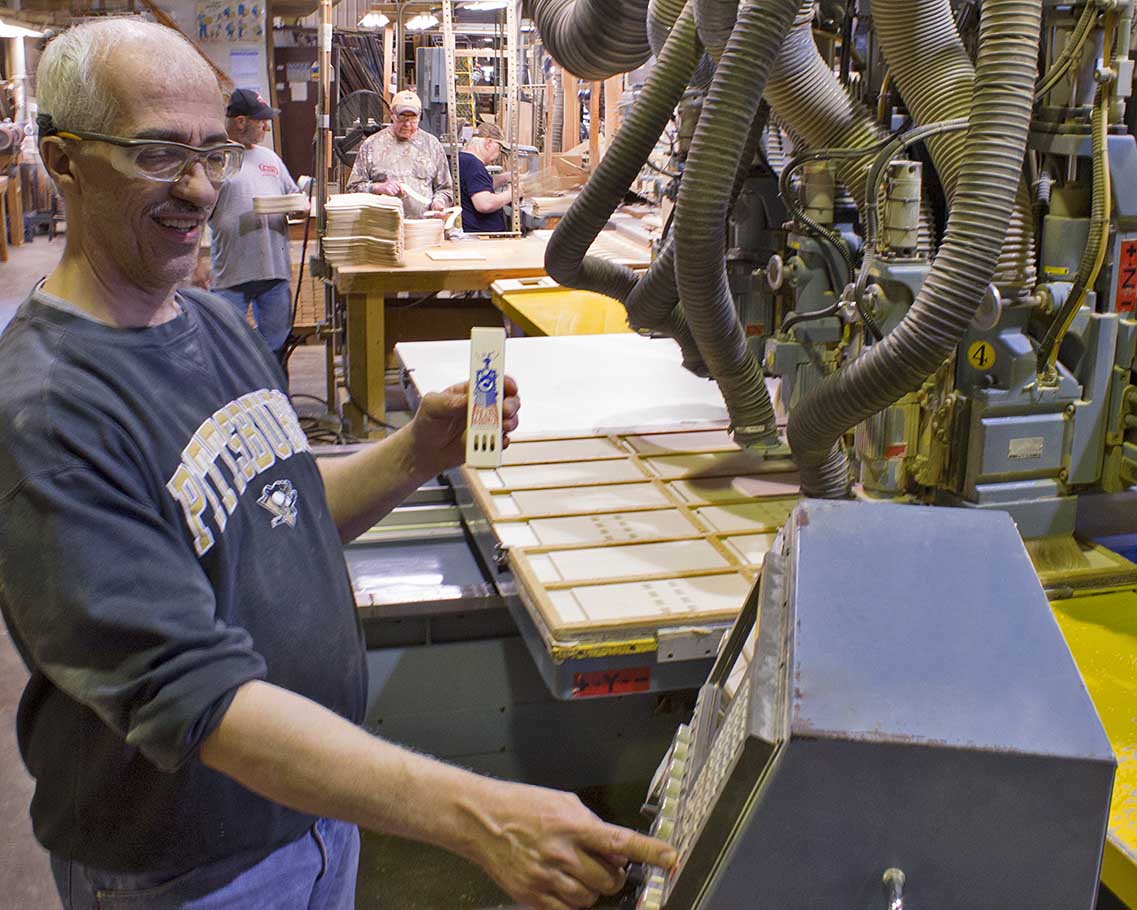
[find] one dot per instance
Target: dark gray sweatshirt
(164, 538)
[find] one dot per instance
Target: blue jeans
(271, 300)
(314, 872)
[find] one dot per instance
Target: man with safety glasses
(405, 161)
(171, 567)
(249, 251)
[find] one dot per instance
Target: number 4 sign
(1127, 277)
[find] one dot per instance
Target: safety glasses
(166, 162)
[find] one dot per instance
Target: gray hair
(476, 145)
(70, 80)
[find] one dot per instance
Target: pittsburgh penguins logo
(279, 499)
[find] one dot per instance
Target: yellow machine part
(1101, 632)
(560, 311)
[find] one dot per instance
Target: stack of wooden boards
(422, 232)
(280, 205)
(364, 229)
(633, 533)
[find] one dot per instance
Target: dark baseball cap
(247, 102)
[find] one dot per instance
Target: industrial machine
(919, 216)
(872, 733)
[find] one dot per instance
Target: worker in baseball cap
(482, 198)
(250, 265)
(404, 161)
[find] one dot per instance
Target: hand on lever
(549, 852)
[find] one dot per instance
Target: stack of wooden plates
(364, 229)
(341, 251)
(422, 232)
(280, 205)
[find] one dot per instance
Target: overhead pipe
(653, 305)
(565, 256)
(805, 94)
(593, 39)
(985, 195)
(936, 78)
(700, 220)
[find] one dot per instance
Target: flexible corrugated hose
(715, 21)
(936, 78)
(661, 15)
(593, 39)
(700, 221)
(984, 198)
(653, 304)
(805, 94)
(565, 256)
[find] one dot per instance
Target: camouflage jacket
(419, 164)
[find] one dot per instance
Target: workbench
(369, 288)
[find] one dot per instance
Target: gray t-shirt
(247, 246)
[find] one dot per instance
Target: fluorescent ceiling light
(422, 22)
(485, 4)
(374, 20)
(15, 31)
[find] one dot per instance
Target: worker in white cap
(405, 162)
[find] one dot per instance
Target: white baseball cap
(405, 101)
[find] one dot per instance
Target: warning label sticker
(1026, 447)
(611, 682)
(1127, 277)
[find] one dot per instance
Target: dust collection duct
(987, 254)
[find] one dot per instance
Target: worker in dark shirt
(482, 204)
(171, 567)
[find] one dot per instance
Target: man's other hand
(437, 206)
(387, 188)
(549, 852)
(439, 425)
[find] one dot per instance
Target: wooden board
(553, 450)
(560, 474)
(448, 255)
(634, 534)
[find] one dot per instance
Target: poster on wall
(246, 69)
(230, 20)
